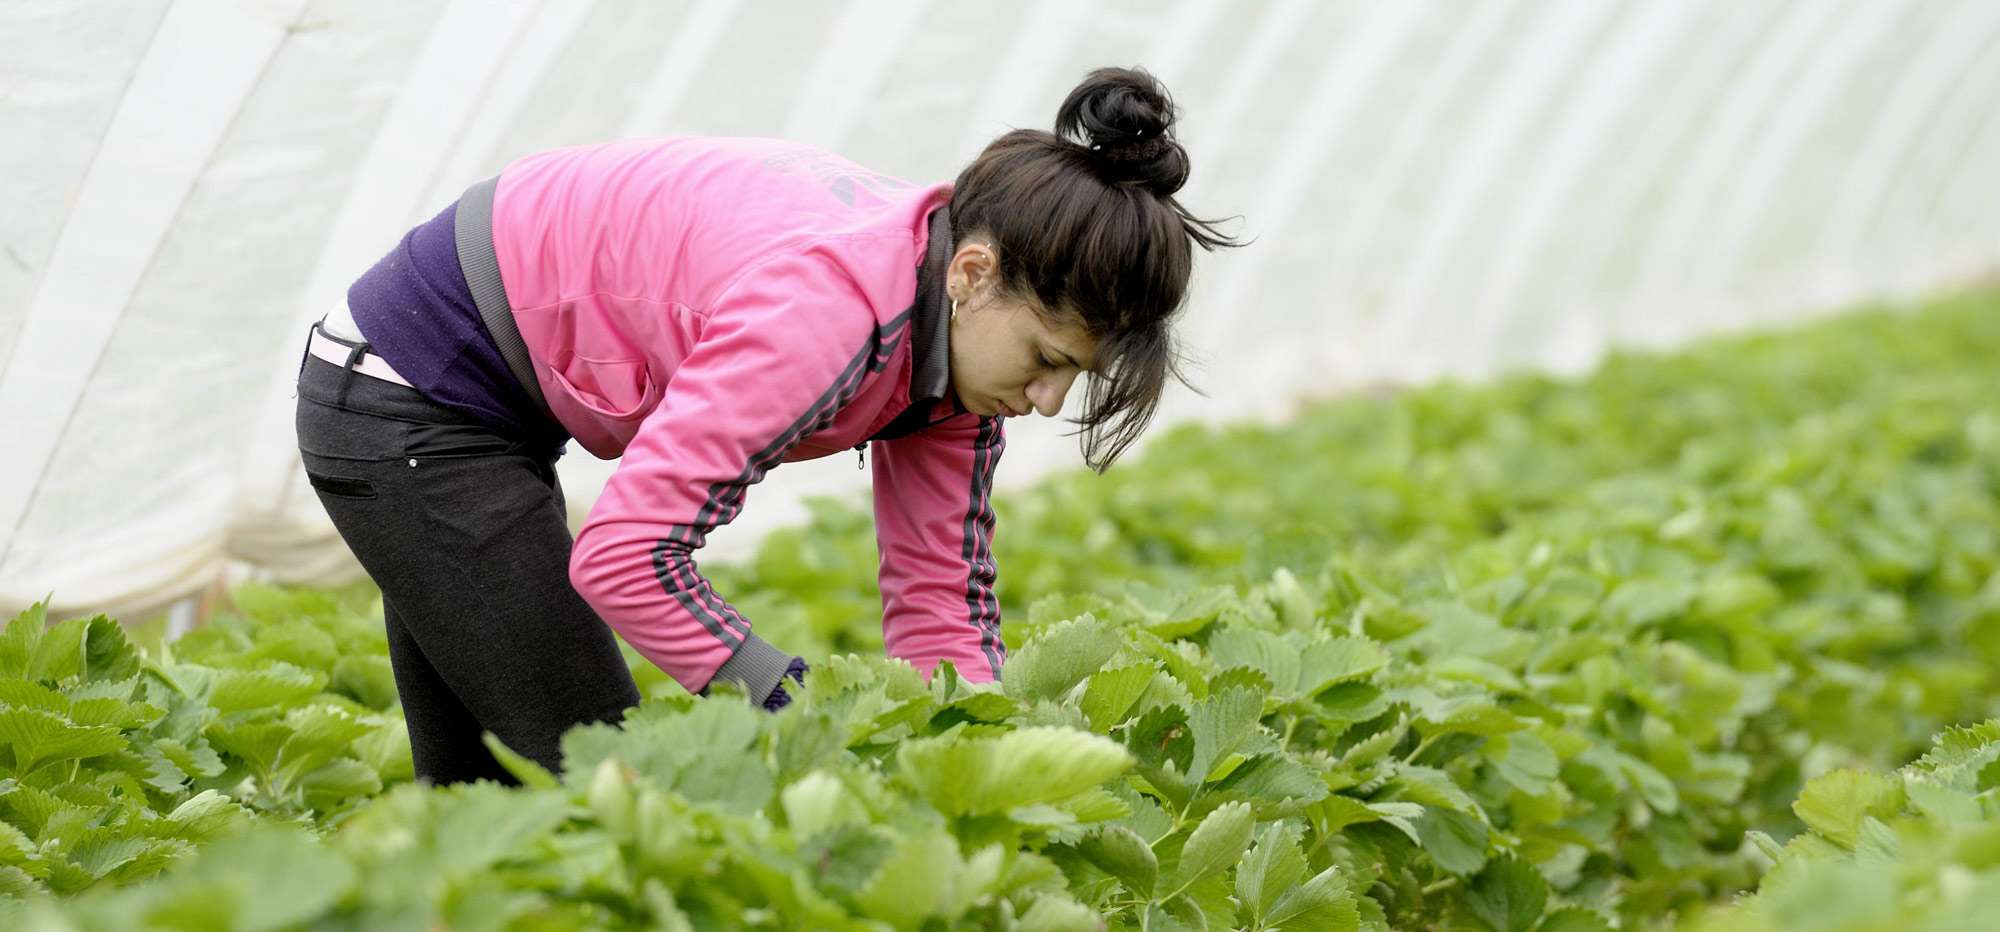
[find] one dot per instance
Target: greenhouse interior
(1514, 465)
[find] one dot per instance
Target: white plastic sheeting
(1435, 188)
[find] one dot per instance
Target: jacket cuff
(756, 665)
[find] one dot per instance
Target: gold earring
(954, 310)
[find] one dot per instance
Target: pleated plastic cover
(1434, 188)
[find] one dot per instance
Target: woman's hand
(779, 698)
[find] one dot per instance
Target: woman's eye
(1044, 361)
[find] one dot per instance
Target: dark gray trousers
(464, 530)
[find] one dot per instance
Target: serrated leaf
(35, 737)
(29, 694)
(1524, 760)
(1273, 866)
(1041, 764)
(1835, 803)
(337, 781)
(279, 685)
(368, 678)
(1053, 912)
(1096, 804)
(819, 802)
(481, 823)
(532, 775)
(17, 643)
(1940, 802)
(1215, 845)
(1223, 723)
(266, 877)
(1575, 919)
(205, 814)
(107, 653)
(1508, 895)
(1120, 852)
(1054, 662)
(59, 654)
(1338, 660)
(118, 713)
(1322, 904)
(919, 881)
(1269, 653)
(1268, 780)
(101, 851)
(1432, 787)
(1455, 840)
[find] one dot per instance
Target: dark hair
(1085, 223)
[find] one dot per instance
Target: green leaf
(319, 733)
(1575, 919)
(1339, 660)
(1194, 610)
(1322, 904)
(206, 814)
(919, 881)
(1215, 844)
(1042, 764)
(1274, 866)
(1524, 760)
(368, 678)
(1269, 780)
(102, 851)
(1222, 723)
(819, 802)
(481, 823)
(1508, 895)
(1272, 654)
(35, 737)
(1109, 695)
(1940, 802)
(1060, 658)
(1455, 840)
(1054, 912)
(337, 781)
(17, 643)
(531, 774)
(278, 685)
(59, 654)
(1096, 804)
(1835, 803)
(1120, 852)
(264, 878)
(108, 654)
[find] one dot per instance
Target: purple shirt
(416, 310)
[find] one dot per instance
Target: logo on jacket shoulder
(842, 178)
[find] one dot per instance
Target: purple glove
(779, 698)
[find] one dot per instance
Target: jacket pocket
(618, 390)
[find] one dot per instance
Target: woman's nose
(1047, 393)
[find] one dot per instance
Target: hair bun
(1124, 118)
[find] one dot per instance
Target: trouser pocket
(340, 486)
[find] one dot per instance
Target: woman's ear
(972, 271)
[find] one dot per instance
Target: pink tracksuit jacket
(707, 308)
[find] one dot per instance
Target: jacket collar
(930, 318)
(930, 337)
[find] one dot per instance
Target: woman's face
(1004, 359)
